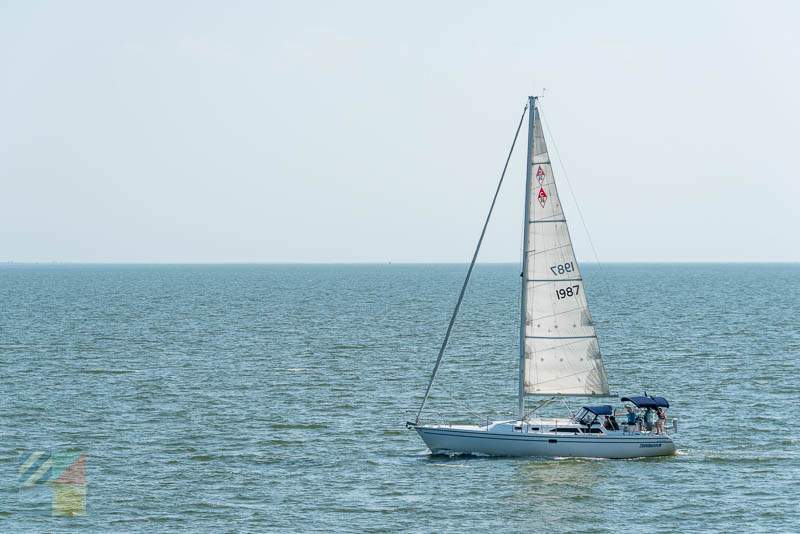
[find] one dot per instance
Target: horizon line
(584, 264)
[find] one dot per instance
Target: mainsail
(561, 354)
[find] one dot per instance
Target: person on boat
(610, 423)
(631, 415)
(614, 424)
(648, 420)
(662, 418)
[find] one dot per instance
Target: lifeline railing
(670, 427)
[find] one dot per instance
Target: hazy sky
(376, 131)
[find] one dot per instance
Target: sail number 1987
(563, 268)
(571, 291)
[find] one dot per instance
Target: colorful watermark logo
(64, 472)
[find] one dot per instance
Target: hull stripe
(545, 438)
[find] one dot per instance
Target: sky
(190, 131)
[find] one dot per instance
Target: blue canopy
(648, 402)
(599, 410)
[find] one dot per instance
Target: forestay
(561, 351)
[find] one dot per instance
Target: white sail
(561, 351)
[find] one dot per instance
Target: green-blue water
(273, 398)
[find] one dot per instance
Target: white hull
(502, 440)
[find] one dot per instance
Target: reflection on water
(555, 488)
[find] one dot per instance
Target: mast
(524, 277)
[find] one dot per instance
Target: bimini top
(648, 402)
(599, 410)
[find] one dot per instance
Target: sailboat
(559, 352)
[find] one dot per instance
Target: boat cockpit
(602, 419)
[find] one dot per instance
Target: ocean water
(273, 398)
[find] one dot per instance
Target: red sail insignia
(542, 196)
(540, 176)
